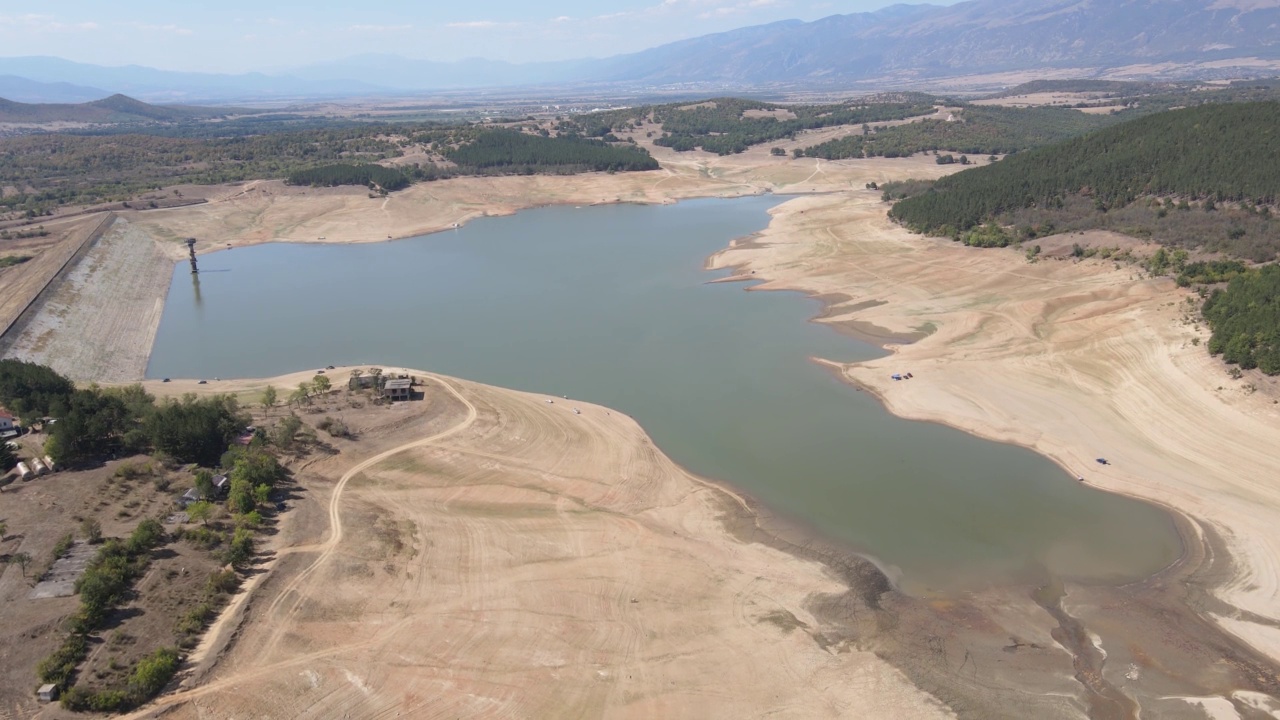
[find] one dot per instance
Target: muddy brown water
(611, 305)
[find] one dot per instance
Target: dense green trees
(1245, 319)
(1209, 272)
(730, 125)
(195, 431)
(93, 423)
(513, 152)
(389, 179)
(33, 391)
(254, 472)
(976, 130)
(92, 426)
(1214, 152)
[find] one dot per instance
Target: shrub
(63, 545)
(61, 664)
(153, 673)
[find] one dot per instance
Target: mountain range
(113, 109)
(899, 44)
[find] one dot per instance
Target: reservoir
(611, 305)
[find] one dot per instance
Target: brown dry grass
(40, 512)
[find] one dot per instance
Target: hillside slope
(978, 36)
(114, 109)
(1208, 155)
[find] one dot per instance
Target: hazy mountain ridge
(979, 36)
(900, 42)
(113, 109)
(20, 89)
(173, 86)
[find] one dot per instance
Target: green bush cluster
(721, 126)
(389, 179)
(513, 152)
(978, 130)
(148, 678)
(109, 576)
(1210, 272)
(1219, 152)
(95, 422)
(1245, 320)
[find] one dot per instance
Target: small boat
(576, 411)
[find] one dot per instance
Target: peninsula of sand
(548, 564)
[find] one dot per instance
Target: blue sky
(240, 35)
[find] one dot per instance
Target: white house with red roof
(8, 424)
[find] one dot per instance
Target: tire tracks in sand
(327, 550)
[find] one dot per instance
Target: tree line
(1149, 168)
(1245, 320)
(389, 179)
(977, 130)
(723, 126)
(92, 423)
(513, 152)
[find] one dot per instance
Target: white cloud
(381, 28)
(169, 29)
(33, 22)
(474, 24)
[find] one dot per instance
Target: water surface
(611, 304)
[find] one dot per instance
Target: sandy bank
(493, 555)
(1076, 360)
(270, 211)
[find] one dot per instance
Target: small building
(188, 497)
(47, 693)
(398, 389)
(8, 424)
(221, 484)
(362, 382)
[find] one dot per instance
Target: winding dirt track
(528, 561)
(335, 510)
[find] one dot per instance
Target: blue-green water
(611, 305)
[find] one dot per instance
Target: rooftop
(399, 384)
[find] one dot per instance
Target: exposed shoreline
(884, 322)
(869, 376)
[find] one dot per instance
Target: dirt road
(517, 559)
